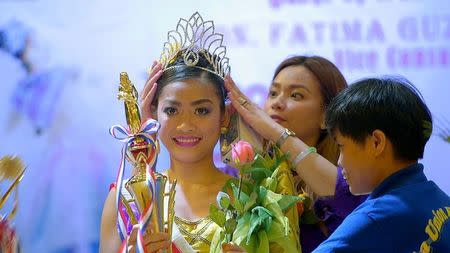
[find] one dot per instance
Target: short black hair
(391, 104)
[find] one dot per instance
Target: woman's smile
(186, 141)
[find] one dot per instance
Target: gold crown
(194, 37)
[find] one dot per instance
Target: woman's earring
(224, 130)
(323, 126)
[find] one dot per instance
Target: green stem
(240, 188)
(238, 199)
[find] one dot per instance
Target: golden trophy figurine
(11, 169)
(147, 190)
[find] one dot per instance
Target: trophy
(11, 169)
(148, 191)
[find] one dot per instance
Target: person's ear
(378, 142)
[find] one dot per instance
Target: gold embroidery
(193, 231)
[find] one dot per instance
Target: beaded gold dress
(197, 233)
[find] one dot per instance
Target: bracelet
(302, 156)
(287, 132)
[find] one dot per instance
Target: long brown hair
(331, 83)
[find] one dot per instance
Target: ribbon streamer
(147, 131)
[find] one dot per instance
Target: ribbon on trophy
(146, 188)
(149, 128)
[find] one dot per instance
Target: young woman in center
(185, 93)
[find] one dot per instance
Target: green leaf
(271, 203)
(287, 201)
(228, 184)
(260, 218)
(259, 173)
(266, 172)
(263, 246)
(251, 201)
(262, 194)
(251, 246)
(230, 225)
(307, 202)
(270, 183)
(259, 162)
(238, 204)
(276, 235)
(309, 217)
(217, 215)
(243, 225)
(217, 241)
(247, 187)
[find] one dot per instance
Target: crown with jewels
(192, 38)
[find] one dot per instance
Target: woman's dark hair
(179, 71)
(331, 83)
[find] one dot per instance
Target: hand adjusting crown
(190, 39)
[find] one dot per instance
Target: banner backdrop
(58, 103)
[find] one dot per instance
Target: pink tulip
(242, 152)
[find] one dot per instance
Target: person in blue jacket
(381, 126)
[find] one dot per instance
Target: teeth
(187, 140)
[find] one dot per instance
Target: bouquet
(257, 211)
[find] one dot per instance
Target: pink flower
(242, 152)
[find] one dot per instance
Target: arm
(315, 170)
(148, 93)
(109, 237)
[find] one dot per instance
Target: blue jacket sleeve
(352, 235)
